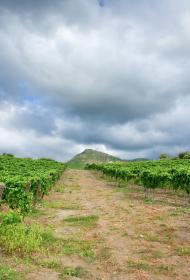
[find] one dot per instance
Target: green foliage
(153, 174)
(60, 188)
(183, 251)
(8, 155)
(164, 156)
(8, 274)
(16, 236)
(11, 218)
(83, 248)
(74, 271)
(184, 155)
(86, 221)
(27, 180)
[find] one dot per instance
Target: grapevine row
(173, 174)
(27, 180)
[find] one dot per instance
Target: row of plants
(26, 180)
(151, 174)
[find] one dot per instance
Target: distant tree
(181, 155)
(184, 155)
(8, 155)
(164, 156)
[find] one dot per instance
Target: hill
(90, 156)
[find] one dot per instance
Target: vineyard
(26, 180)
(88, 228)
(174, 174)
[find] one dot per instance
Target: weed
(152, 238)
(74, 272)
(180, 211)
(59, 188)
(78, 247)
(51, 264)
(136, 264)
(125, 234)
(61, 205)
(10, 218)
(74, 187)
(183, 251)
(148, 200)
(149, 254)
(86, 221)
(113, 229)
(8, 274)
(158, 269)
(104, 254)
(36, 213)
(164, 269)
(22, 238)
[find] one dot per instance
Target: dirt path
(112, 235)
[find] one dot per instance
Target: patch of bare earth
(133, 238)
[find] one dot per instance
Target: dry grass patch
(160, 269)
(61, 205)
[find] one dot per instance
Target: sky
(111, 75)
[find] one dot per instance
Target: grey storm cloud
(113, 75)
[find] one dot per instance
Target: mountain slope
(90, 156)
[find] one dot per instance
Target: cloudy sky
(113, 75)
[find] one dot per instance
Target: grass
(148, 254)
(59, 188)
(157, 269)
(165, 236)
(83, 248)
(36, 213)
(164, 269)
(183, 251)
(149, 200)
(85, 221)
(78, 272)
(52, 263)
(104, 254)
(18, 237)
(61, 205)
(57, 266)
(180, 211)
(125, 188)
(151, 237)
(125, 234)
(7, 273)
(73, 188)
(137, 264)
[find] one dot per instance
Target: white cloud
(113, 77)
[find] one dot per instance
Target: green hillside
(90, 156)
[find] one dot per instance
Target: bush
(164, 156)
(184, 155)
